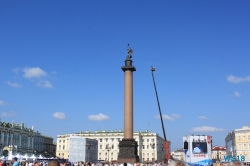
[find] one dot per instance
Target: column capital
(128, 66)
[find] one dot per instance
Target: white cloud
(237, 94)
(98, 117)
(59, 115)
(45, 83)
(203, 117)
(236, 80)
(176, 116)
(37, 76)
(13, 84)
(2, 102)
(165, 117)
(207, 129)
(34, 72)
(10, 113)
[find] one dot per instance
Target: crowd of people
(15, 162)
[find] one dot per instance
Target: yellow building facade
(238, 143)
(150, 145)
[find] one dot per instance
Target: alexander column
(128, 145)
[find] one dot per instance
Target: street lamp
(88, 145)
(108, 149)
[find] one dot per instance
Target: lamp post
(88, 145)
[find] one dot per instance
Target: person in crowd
(36, 164)
(236, 163)
(23, 163)
(11, 163)
(4, 163)
(177, 163)
(16, 163)
(54, 163)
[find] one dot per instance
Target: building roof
(219, 148)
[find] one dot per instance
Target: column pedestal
(128, 151)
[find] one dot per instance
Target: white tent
(26, 156)
(33, 157)
(41, 157)
(2, 158)
(18, 156)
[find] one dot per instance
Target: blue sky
(60, 64)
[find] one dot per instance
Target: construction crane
(167, 157)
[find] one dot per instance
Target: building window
(147, 146)
(243, 137)
(100, 146)
(147, 154)
(100, 154)
(63, 147)
(143, 154)
(59, 154)
(112, 139)
(59, 149)
(100, 140)
(63, 141)
(142, 140)
(142, 146)
(244, 146)
(112, 146)
(249, 137)
(238, 137)
(153, 140)
(147, 140)
(239, 147)
(59, 141)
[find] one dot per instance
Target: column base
(128, 151)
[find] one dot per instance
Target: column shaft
(128, 104)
